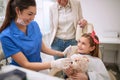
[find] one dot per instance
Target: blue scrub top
(14, 40)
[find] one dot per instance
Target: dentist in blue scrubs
(21, 37)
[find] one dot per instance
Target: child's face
(84, 46)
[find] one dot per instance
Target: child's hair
(10, 10)
(94, 41)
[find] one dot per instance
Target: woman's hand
(82, 23)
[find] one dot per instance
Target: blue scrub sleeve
(9, 48)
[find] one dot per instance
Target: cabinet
(110, 48)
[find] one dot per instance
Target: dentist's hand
(62, 63)
(67, 51)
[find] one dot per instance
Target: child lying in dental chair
(86, 65)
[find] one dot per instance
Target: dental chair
(1, 57)
(3, 60)
(87, 29)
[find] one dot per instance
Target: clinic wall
(104, 14)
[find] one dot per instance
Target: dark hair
(92, 43)
(10, 10)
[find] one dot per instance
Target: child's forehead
(84, 39)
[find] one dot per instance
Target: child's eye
(30, 14)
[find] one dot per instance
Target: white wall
(42, 16)
(104, 14)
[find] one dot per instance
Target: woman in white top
(65, 15)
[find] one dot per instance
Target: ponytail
(8, 16)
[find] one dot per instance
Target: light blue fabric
(14, 40)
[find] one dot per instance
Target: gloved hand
(67, 51)
(61, 64)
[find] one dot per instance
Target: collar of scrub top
(16, 31)
(68, 5)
